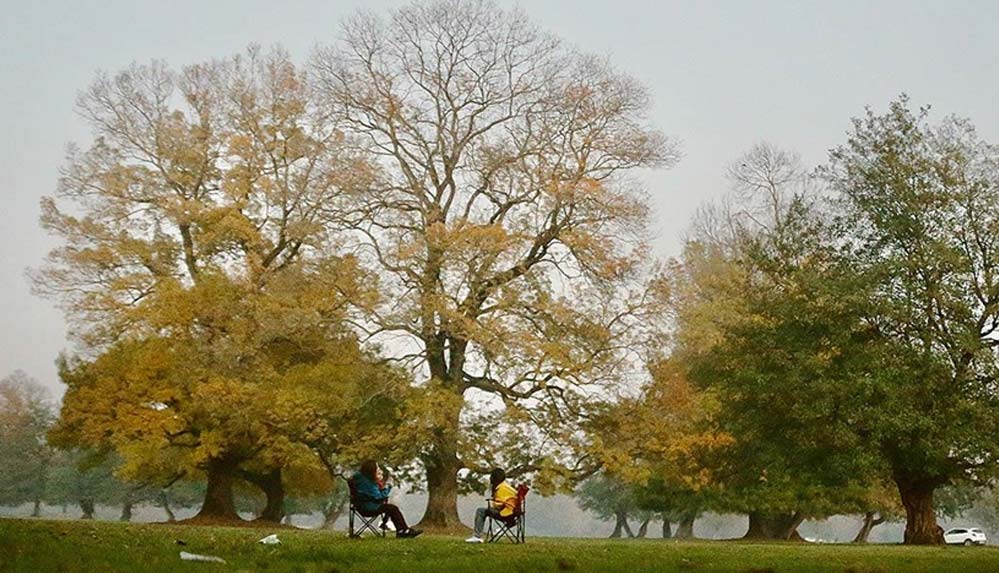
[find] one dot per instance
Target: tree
(920, 215)
(25, 415)
(84, 478)
(500, 220)
(180, 494)
(879, 505)
(660, 446)
(770, 323)
(611, 499)
(199, 272)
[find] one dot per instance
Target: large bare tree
(509, 237)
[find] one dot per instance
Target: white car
(964, 536)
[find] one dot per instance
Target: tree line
(428, 245)
(39, 475)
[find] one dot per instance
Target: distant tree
(660, 446)
(26, 413)
(181, 494)
(675, 502)
(85, 479)
(878, 504)
(611, 500)
(984, 510)
(330, 504)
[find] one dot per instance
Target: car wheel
(969, 542)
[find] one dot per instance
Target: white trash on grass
(185, 556)
(271, 539)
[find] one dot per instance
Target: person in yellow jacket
(502, 503)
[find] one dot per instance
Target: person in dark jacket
(372, 498)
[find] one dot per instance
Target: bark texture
(775, 526)
(871, 520)
(218, 504)
(920, 518)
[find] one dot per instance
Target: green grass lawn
(41, 546)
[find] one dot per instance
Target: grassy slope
(42, 546)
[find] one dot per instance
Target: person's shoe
(413, 532)
(474, 539)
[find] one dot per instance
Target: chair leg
(356, 530)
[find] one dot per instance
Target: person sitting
(502, 503)
(373, 494)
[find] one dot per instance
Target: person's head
(369, 468)
(496, 477)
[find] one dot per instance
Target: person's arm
(506, 496)
(369, 490)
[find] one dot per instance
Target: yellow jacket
(505, 499)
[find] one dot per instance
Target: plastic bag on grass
(185, 556)
(271, 539)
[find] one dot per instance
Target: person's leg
(480, 522)
(480, 519)
(395, 514)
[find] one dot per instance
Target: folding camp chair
(510, 527)
(366, 522)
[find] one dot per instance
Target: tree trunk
(442, 467)
(272, 486)
(616, 534)
(791, 529)
(643, 529)
(870, 522)
(87, 507)
(36, 511)
(126, 512)
(332, 512)
(218, 504)
(667, 532)
(165, 502)
(685, 527)
(920, 518)
(621, 525)
(775, 526)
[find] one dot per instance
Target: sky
(723, 75)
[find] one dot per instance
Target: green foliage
(920, 217)
(607, 497)
(84, 478)
(769, 323)
(25, 415)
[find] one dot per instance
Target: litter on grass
(271, 539)
(185, 556)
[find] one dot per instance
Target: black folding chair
(365, 521)
(510, 527)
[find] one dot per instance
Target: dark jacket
(370, 497)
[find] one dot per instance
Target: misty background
(723, 75)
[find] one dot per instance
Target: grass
(68, 546)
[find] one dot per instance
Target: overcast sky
(723, 75)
